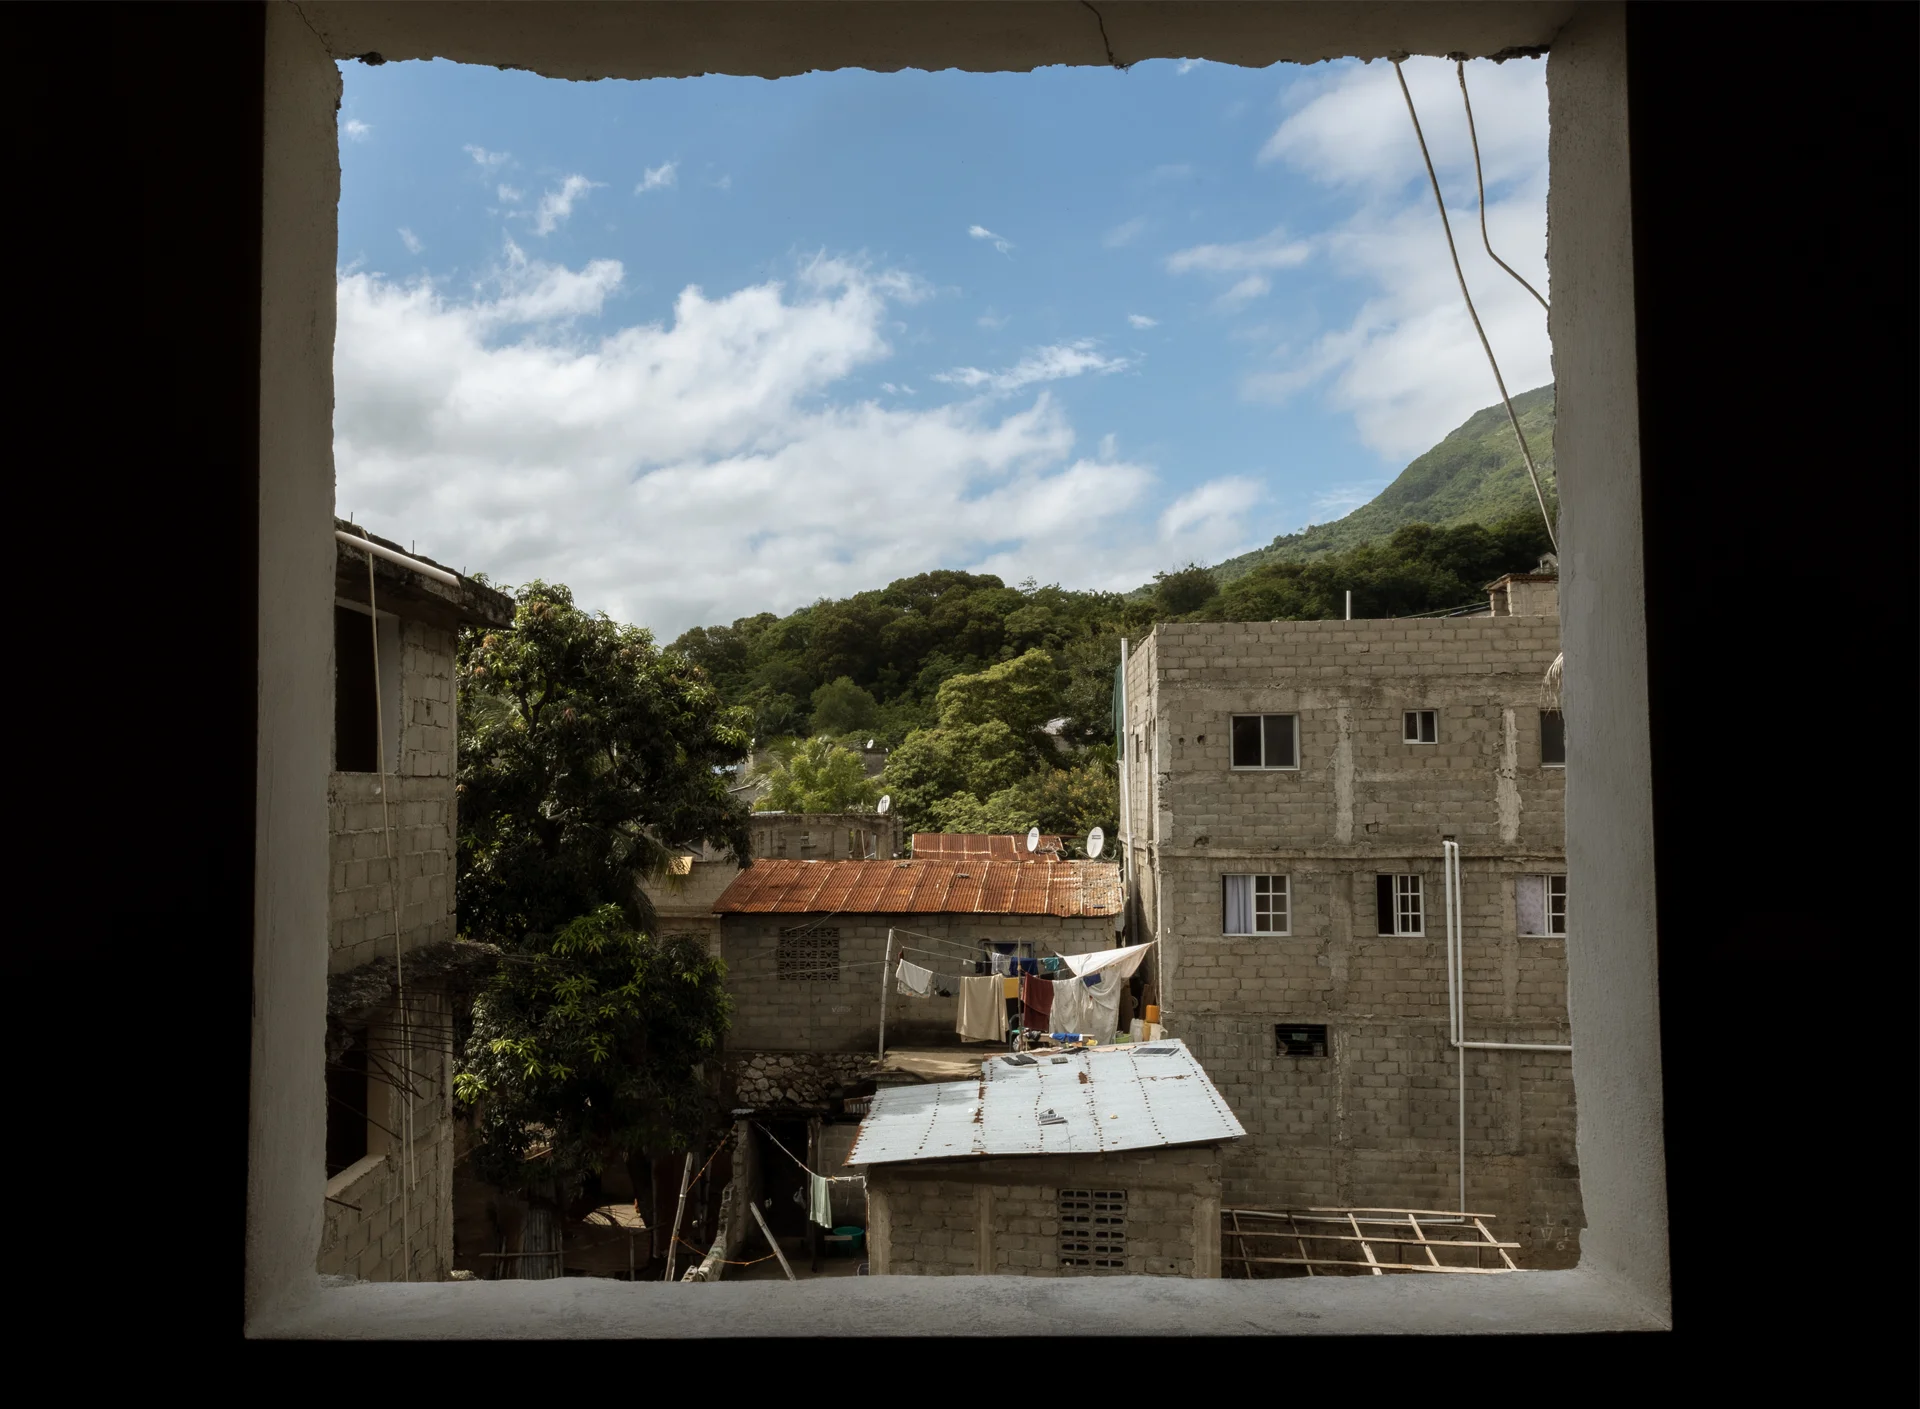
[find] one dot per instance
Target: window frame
(1281, 1046)
(1253, 903)
(1417, 719)
(1263, 766)
(1398, 892)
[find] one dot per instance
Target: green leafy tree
(989, 737)
(587, 757)
(1067, 802)
(1186, 590)
(841, 707)
(817, 775)
(586, 1049)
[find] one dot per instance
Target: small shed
(1050, 1164)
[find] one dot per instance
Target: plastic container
(847, 1242)
(1152, 1014)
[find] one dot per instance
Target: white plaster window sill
(341, 1186)
(1530, 1303)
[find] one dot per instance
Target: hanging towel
(1026, 966)
(820, 1201)
(1036, 1003)
(983, 1009)
(1003, 964)
(914, 981)
(1051, 965)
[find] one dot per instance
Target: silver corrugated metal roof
(1137, 1096)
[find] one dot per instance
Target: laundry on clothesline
(1121, 962)
(983, 1009)
(916, 982)
(1036, 1003)
(1089, 1007)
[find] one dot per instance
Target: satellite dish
(1096, 839)
(869, 745)
(1033, 839)
(885, 803)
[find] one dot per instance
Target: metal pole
(886, 982)
(1349, 604)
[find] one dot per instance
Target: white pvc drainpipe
(380, 551)
(1457, 1003)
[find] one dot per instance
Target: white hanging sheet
(1119, 962)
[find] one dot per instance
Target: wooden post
(775, 1242)
(673, 1242)
(886, 982)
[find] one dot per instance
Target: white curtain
(1239, 904)
(1530, 898)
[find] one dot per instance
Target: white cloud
(1408, 366)
(1215, 510)
(1140, 320)
(410, 240)
(557, 204)
(709, 465)
(1272, 250)
(725, 183)
(1124, 233)
(1044, 364)
(1187, 66)
(511, 195)
(656, 177)
(356, 129)
(981, 232)
(485, 159)
(1244, 292)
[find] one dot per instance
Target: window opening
(347, 1103)
(1093, 1229)
(1301, 1040)
(809, 956)
(1422, 726)
(1541, 905)
(1553, 739)
(1255, 905)
(1266, 740)
(356, 722)
(1399, 902)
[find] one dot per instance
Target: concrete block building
(684, 900)
(1288, 791)
(394, 961)
(1103, 1161)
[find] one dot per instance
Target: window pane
(1553, 737)
(1556, 905)
(1429, 726)
(1246, 741)
(1408, 916)
(1530, 904)
(1238, 899)
(1279, 731)
(1383, 902)
(1412, 731)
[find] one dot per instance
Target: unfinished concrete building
(394, 963)
(1290, 788)
(1102, 1161)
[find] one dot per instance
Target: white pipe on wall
(381, 551)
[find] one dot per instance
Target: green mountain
(1475, 475)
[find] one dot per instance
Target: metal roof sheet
(1137, 1096)
(785, 886)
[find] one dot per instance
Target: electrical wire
(1460, 72)
(1533, 474)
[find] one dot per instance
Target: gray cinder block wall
(1374, 1121)
(1000, 1217)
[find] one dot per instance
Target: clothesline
(830, 1178)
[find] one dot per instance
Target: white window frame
(1413, 719)
(1253, 904)
(1405, 884)
(1263, 766)
(1623, 1280)
(1553, 905)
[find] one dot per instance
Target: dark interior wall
(1774, 249)
(1774, 211)
(134, 310)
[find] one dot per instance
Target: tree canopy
(586, 1048)
(587, 757)
(817, 775)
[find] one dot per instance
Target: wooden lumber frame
(1398, 1229)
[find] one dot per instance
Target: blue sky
(711, 346)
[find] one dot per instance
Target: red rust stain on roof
(946, 886)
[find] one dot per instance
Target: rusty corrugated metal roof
(967, 845)
(919, 887)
